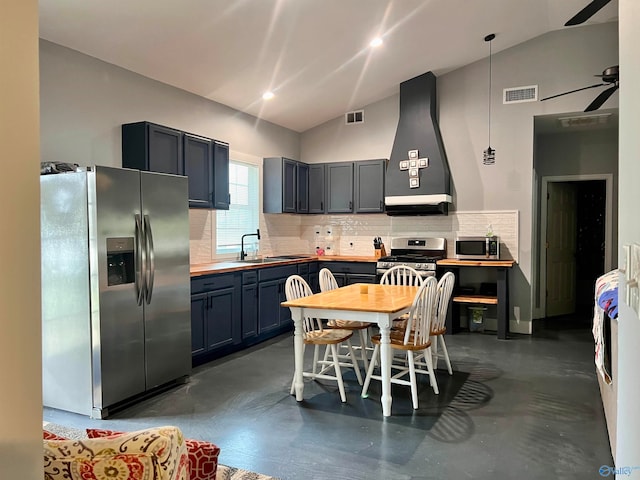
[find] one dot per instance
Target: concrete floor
(525, 408)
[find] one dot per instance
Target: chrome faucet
(242, 254)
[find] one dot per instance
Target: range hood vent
(418, 180)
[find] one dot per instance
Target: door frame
(608, 229)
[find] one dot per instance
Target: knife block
(380, 252)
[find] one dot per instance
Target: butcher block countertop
(452, 262)
(236, 266)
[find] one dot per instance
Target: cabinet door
(316, 188)
(285, 312)
(302, 188)
(165, 150)
(289, 187)
(360, 278)
(249, 310)
(198, 316)
(220, 318)
(339, 187)
(221, 198)
(198, 166)
(268, 306)
(369, 186)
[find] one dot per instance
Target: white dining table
(373, 303)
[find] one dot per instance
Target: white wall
(85, 101)
(20, 353)
(628, 424)
(557, 62)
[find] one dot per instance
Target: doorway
(576, 240)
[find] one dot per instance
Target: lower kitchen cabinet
(215, 314)
(232, 311)
(249, 305)
(347, 273)
(271, 292)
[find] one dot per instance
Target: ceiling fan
(586, 13)
(610, 76)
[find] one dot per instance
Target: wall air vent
(520, 94)
(357, 116)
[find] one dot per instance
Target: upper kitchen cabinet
(369, 186)
(285, 186)
(221, 199)
(316, 188)
(151, 147)
(339, 187)
(198, 152)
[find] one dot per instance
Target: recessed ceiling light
(267, 95)
(376, 42)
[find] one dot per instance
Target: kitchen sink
(279, 258)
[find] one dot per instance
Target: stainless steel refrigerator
(116, 319)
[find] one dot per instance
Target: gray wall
(556, 62)
(84, 101)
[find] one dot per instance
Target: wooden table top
(379, 298)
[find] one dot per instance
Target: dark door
(198, 315)
(316, 188)
(302, 187)
(289, 187)
(165, 150)
(221, 198)
(369, 186)
(220, 318)
(198, 166)
(268, 306)
(339, 187)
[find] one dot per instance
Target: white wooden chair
(328, 282)
(438, 328)
(314, 334)
(401, 275)
(415, 340)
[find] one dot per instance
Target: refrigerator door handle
(140, 260)
(151, 264)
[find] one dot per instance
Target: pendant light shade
(489, 155)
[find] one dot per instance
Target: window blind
(243, 214)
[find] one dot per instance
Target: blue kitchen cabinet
(249, 305)
(285, 186)
(216, 320)
(271, 292)
(198, 165)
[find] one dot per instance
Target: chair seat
(348, 324)
(397, 341)
(327, 337)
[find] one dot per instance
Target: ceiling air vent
(520, 94)
(356, 116)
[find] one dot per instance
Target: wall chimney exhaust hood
(418, 180)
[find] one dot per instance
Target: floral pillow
(47, 435)
(155, 453)
(203, 456)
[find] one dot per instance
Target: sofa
(158, 453)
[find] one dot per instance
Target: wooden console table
(501, 299)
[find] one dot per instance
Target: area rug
(224, 472)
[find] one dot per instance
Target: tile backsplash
(353, 234)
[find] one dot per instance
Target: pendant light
(489, 155)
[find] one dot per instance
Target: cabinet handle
(229, 199)
(321, 205)
(350, 205)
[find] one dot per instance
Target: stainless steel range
(420, 253)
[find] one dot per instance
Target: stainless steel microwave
(478, 248)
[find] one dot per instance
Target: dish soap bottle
(489, 230)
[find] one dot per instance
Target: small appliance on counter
(478, 248)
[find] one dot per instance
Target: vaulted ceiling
(314, 55)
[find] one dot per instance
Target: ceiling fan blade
(573, 91)
(600, 99)
(586, 13)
